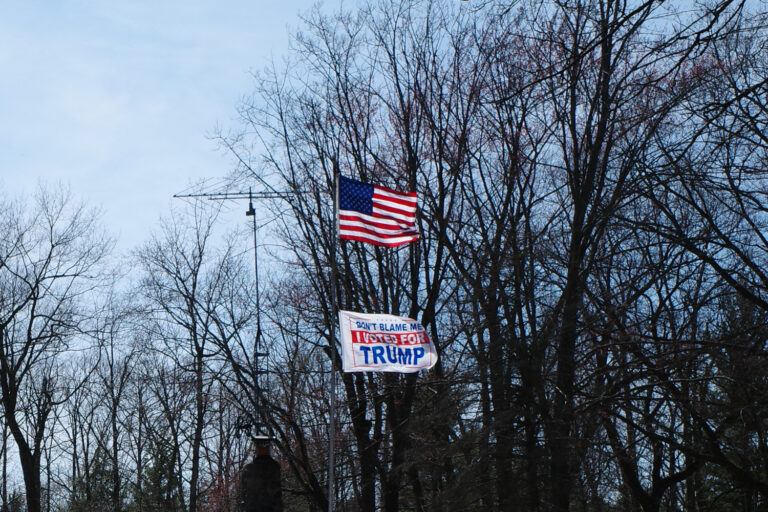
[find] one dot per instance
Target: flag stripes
(375, 214)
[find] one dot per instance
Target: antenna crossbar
(223, 196)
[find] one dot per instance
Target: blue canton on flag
(377, 215)
(355, 195)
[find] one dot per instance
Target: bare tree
(708, 187)
(188, 285)
(358, 113)
(50, 253)
(114, 378)
(534, 137)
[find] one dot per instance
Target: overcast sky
(118, 100)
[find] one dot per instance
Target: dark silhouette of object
(260, 489)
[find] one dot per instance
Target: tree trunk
(399, 411)
(198, 435)
(367, 446)
(115, 462)
(561, 419)
(30, 468)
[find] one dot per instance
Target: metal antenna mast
(261, 437)
(261, 425)
(258, 346)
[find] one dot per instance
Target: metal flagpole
(334, 321)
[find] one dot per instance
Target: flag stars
(355, 195)
(376, 215)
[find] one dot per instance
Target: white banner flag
(384, 343)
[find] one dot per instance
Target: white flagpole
(334, 321)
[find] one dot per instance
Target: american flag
(377, 215)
